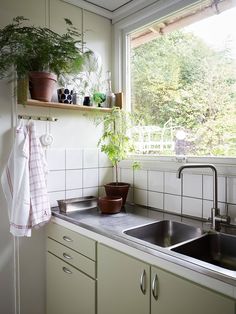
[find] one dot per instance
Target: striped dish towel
(40, 211)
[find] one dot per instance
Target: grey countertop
(112, 226)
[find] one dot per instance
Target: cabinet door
(175, 295)
(68, 290)
(123, 283)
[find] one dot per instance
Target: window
(183, 83)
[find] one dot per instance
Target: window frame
(121, 48)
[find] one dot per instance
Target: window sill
(224, 165)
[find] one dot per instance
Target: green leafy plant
(31, 48)
(115, 141)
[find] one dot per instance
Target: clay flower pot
(41, 85)
(119, 189)
(109, 204)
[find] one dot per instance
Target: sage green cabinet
(121, 281)
(172, 294)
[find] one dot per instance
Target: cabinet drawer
(73, 240)
(73, 258)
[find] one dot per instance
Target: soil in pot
(41, 85)
(119, 189)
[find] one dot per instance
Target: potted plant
(117, 145)
(37, 52)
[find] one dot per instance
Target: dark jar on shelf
(87, 101)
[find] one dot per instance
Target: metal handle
(155, 287)
(67, 239)
(67, 256)
(143, 282)
(66, 270)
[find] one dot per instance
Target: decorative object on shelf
(41, 85)
(87, 101)
(31, 48)
(65, 95)
(117, 145)
(99, 99)
(110, 96)
(110, 204)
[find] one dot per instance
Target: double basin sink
(215, 248)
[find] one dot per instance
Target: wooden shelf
(36, 103)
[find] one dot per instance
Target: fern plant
(31, 48)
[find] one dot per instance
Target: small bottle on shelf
(110, 96)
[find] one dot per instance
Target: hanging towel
(40, 211)
(15, 183)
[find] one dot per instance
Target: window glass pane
(183, 85)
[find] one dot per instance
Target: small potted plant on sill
(117, 145)
(40, 54)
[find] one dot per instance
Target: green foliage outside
(178, 76)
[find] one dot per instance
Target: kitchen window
(181, 82)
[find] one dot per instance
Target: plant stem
(116, 167)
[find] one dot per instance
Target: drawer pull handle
(67, 256)
(66, 270)
(143, 282)
(67, 239)
(155, 287)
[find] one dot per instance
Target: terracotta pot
(41, 85)
(119, 189)
(109, 204)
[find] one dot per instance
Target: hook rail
(38, 118)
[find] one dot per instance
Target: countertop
(112, 227)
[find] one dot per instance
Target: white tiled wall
(76, 173)
(193, 196)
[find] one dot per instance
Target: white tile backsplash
(74, 159)
(55, 159)
(55, 196)
(74, 193)
(103, 160)
(172, 203)
(192, 207)
(232, 213)
(90, 158)
(192, 185)
(90, 191)
(231, 190)
(140, 179)
(155, 181)
(126, 175)
(140, 197)
(208, 188)
(74, 179)
(172, 183)
(56, 181)
(155, 199)
(82, 172)
(90, 178)
(105, 175)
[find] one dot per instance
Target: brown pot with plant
(40, 55)
(117, 145)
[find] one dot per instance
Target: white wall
(73, 130)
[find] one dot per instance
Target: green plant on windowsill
(32, 49)
(117, 145)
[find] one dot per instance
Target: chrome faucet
(216, 218)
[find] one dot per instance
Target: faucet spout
(216, 218)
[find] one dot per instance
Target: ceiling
(110, 5)
(112, 9)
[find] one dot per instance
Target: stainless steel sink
(164, 233)
(216, 248)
